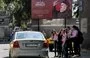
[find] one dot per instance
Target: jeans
(65, 50)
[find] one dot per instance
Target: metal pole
(65, 23)
(55, 47)
(38, 25)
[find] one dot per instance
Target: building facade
(85, 23)
(4, 25)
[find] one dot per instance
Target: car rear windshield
(29, 35)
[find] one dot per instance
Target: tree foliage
(19, 9)
(2, 5)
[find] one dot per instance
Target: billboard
(46, 9)
(62, 9)
(41, 9)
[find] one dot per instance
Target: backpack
(80, 37)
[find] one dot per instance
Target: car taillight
(16, 44)
(45, 44)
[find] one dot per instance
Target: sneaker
(55, 56)
(78, 55)
(74, 56)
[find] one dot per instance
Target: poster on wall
(41, 9)
(46, 9)
(62, 9)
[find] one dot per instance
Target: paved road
(84, 54)
(4, 52)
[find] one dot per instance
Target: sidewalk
(84, 54)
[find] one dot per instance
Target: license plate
(31, 45)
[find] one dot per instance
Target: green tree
(2, 5)
(19, 10)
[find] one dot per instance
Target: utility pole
(38, 25)
(65, 22)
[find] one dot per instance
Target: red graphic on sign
(48, 9)
(62, 9)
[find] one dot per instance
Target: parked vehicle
(28, 43)
(51, 44)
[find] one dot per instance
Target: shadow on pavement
(29, 57)
(25, 57)
(4, 41)
(6, 57)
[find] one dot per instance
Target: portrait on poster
(50, 9)
(62, 9)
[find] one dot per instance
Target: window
(29, 35)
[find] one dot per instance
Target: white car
(28, 43)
